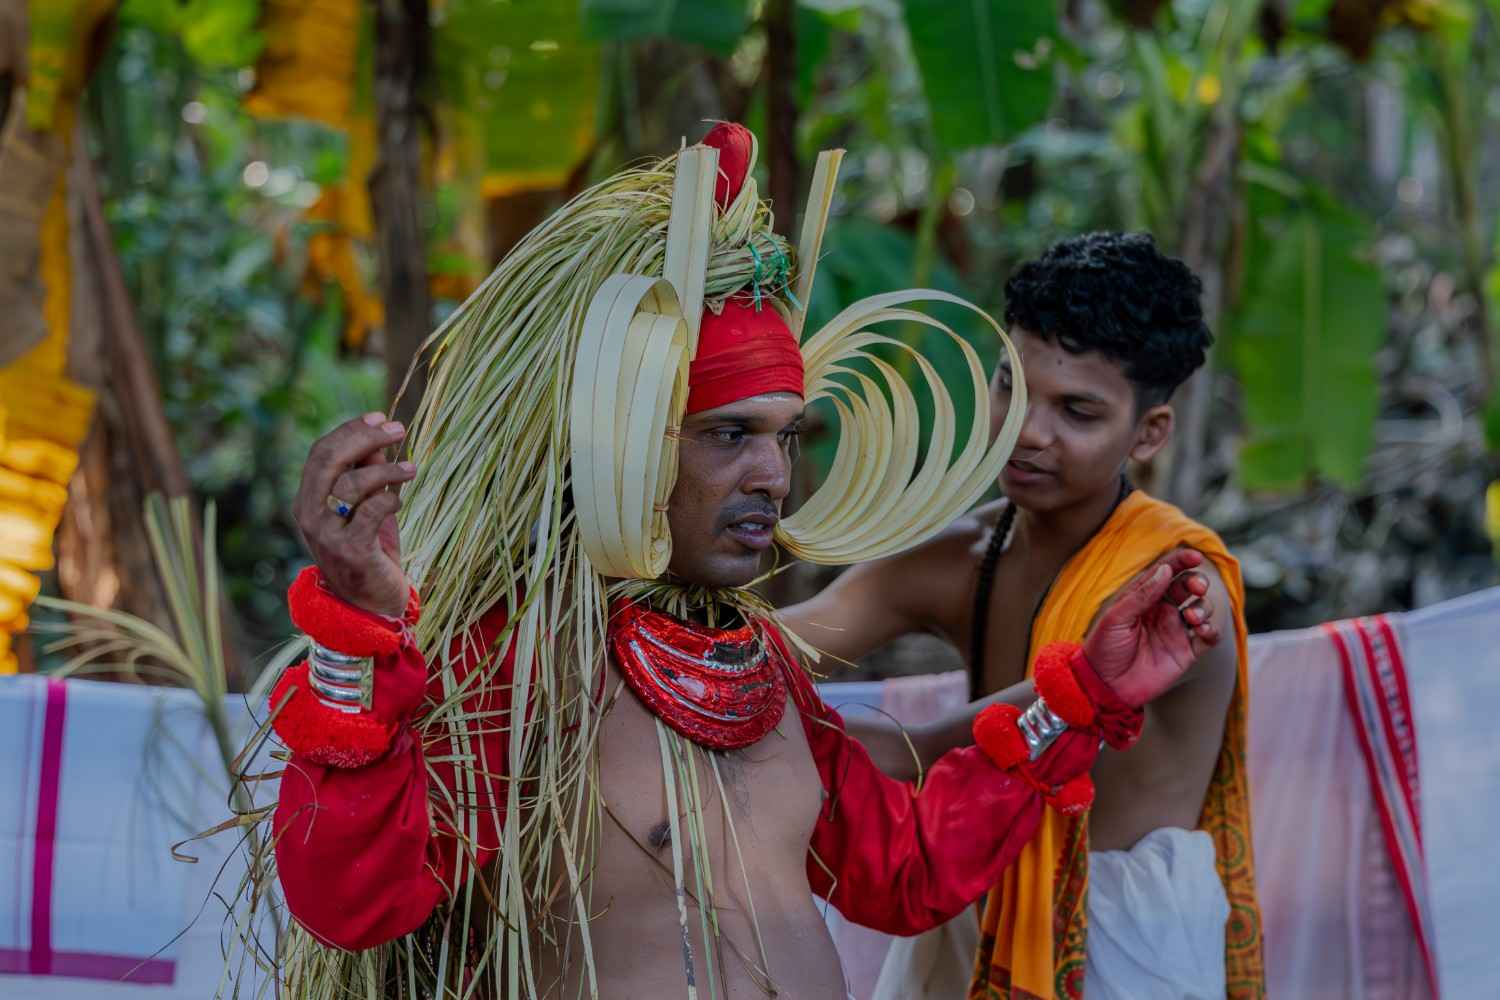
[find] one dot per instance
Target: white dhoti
(1156, 920)
(1156, 930)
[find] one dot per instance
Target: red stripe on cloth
(1379, 668)
(1404, 719)
(45, 836)
(1408, 864)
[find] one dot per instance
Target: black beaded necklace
(985, 587)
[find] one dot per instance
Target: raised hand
(1154, 629)
(359, 554)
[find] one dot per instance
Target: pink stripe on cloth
(87, 965)
(45, 838)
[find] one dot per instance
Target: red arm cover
(903, 861)
(363, 854)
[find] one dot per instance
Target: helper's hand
(1154, 629)
(359, 556)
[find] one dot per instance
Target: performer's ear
(1152, 432)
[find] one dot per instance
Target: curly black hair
(1117, 294)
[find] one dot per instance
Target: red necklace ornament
(721, 688)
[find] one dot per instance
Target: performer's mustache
(748, 508)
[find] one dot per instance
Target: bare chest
(762, 800)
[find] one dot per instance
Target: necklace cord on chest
(985, 587)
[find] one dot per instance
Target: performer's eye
(1081, 416)
(728, 435)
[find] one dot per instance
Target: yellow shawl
(1033, 926)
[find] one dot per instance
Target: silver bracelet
(344, 683)
(1040, 727)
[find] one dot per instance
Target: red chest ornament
(721, 688)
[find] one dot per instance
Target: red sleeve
(902, 860)
(364, 855)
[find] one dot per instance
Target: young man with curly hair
(1152, 894)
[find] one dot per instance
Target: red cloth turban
(744, 351)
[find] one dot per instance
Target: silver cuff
(343, 682)
(1040, 727)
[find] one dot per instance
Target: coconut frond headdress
(547, 453)
(545, 439)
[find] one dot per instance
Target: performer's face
(1082, 423)
(734, 469)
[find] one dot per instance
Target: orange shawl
(1033, 928)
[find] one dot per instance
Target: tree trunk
(781, 113)
(104, 558)
(797, 583)
(402, 47)
(1208, 218)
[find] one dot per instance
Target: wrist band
(1056, 682)
(323, 706)
(1014, 739)
(338, 625)
(334, 734)
(999, 733)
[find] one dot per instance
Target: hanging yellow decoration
(1492, 515)
(46, 419)
(310, 69)
(46, 414)
(307, 69)
(61, 36)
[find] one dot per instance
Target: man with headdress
(554, 772)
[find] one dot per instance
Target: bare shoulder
(872, 603)
(943, 567)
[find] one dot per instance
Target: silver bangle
(335, 692)
(336, 674)
(344, 682)
(333, 656)
(1040, 727)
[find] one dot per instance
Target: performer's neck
(1055, 535)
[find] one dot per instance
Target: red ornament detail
(721, 688)
(1056, 684)
(734, 143)
(339, 625)
(321, 734)
(996, 732)
(1074, 797)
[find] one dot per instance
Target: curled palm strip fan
(546, 454)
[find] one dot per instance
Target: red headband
(742, 352)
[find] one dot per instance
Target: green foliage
(714, 24)
(249, 368)
(216, 33)
(521, 82)
(1304, 340)
(815, 28)
(986, 66)
(1492, 424)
